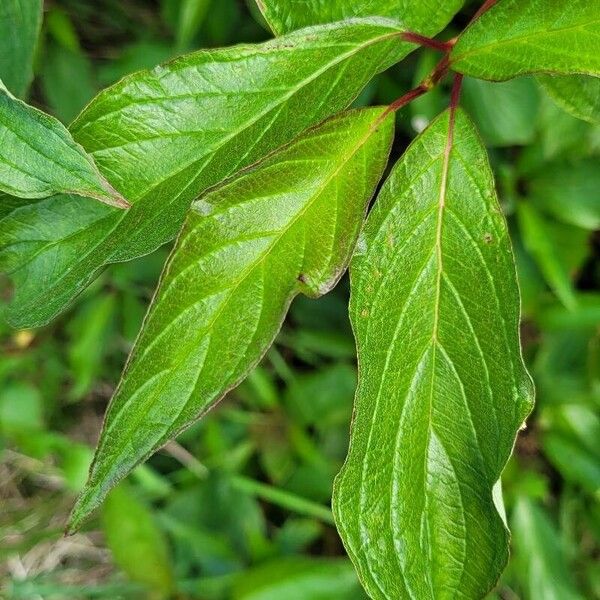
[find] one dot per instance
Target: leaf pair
(246, 249)
(162, 137)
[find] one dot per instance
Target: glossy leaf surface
(577, 94)
(246, 249)
(427, 17)
(516, 37)
(164, 136)
(39, 158)
(442, 386)
(20, 22)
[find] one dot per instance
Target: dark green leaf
(136, 543)
(427, 17)
(442, 386)
(39, 158)
(299, 579)
(67, 81)
(569, 191)
(164, 136)
(574, 462)
(542, 239)
(20, 22)
(577, 94)
(245, 251)
(505, 113)
(540, 554)
(517, 37)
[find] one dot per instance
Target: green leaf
(542, 239)
(89, 332)
(577, 94)
(427, 17)
(517, 37)
(569, 192)
(67, 81)
(574, 462)
(245, 251)
(39, 158)
(299, 579)
(539, 554)
(137, 544)
(442, 386)
(164, 136)
(20, 22)
(505, 113)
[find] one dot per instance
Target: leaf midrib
(249, 269)
(174, 174)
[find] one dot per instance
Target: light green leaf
(516, 37)
(539, 554)
(427, 17)
(164, 136)
(137, 544)
(577, 94)
(246, 249)
(568, 191)
(442, 386)
(542, 239)
(20, 22)
(299, 578)
(39, 158)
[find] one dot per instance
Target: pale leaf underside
(245, 251)
(442, 386)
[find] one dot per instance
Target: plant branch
(426, 42)
(427, 84)
(482, 9)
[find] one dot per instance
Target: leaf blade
(39, 158)
(246, 250)
(579, 95)
(430, 434)
(427, 18)
(20, 22)
(498, 45)
(208, 132)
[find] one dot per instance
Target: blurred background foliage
(238, 506)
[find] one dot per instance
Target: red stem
(482, 9)
(421, 40)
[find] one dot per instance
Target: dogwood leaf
(163, 136)
(577, 94)
(427, 17)
(442, 386)
(39, 158)
(246, 249)
(20, 22)
(516, 37)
